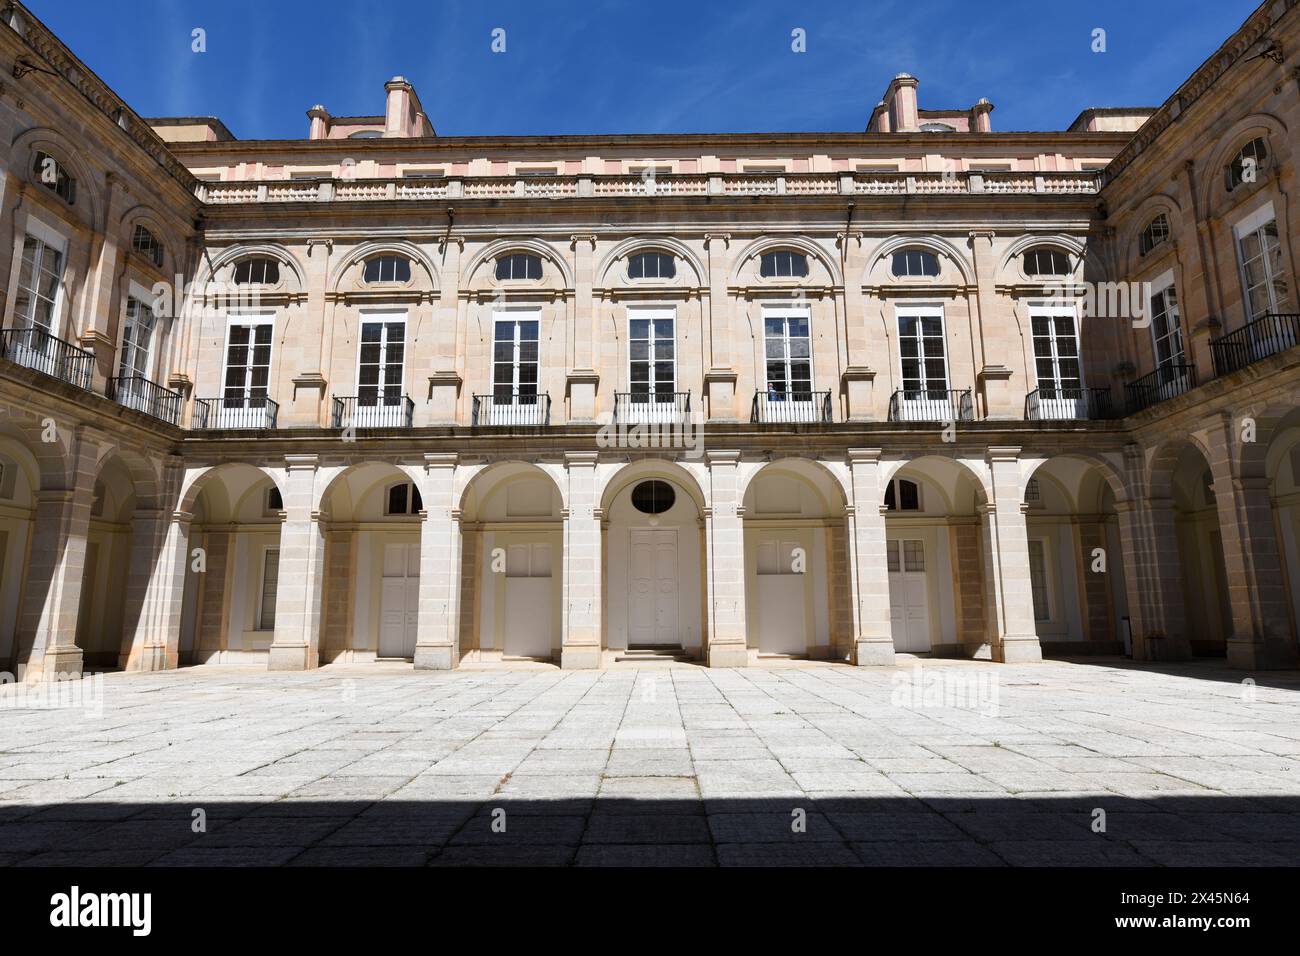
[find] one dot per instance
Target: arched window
(651, 265)
(258, 270)
(1033, 492)
(902, 495)
(365, 134)
(937, 128)
(783, 265)
(915, 262)
(519, 266)
(1247, 164)
(146, 243)
(49, 172)
(388, 269)
(1046, 262)
(1156, 232)
(403, 499)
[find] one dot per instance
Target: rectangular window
(777, 557)
(248, 361)
(137, 339)
(270, 587)
(1166, 328)
(1056, 352)
(788, 347)
(35, 305)
(1038, 579)
(514, 359)
(1263, 271)
(922, 352)
(381, 363)
(652, 366)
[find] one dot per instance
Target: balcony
(1265, 336)
(241, 411)
(373, 411)
(37, 349)
(1067, 404)
(931, 405)
(652, 408)
(1159, 386)
(788, 408)
(133, 391)
(512, 409)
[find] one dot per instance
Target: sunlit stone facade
(380, 393)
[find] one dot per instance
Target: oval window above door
(653, 497)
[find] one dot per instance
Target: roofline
(423, 144)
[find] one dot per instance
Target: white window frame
(1253, 224)
(652, 314)
(782, 406)
(237, 415)
(922, 405)
(516, 412)
(52, 239)
(381, 415)
(1160, 284)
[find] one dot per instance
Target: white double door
(528, 609)
(909, 595)
(653, 587)
(399, 600)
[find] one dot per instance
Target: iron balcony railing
(1046, 404)
(931, 405)
(652, 408)
(37, 349)
(780, 407)
(137, 392)
(1265, 336)
(512, 408)
(238, 411)
(373, 411)
(1159, 386)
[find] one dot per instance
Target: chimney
(403, 115)
(320, 122)
(900, 98)
(981, 122)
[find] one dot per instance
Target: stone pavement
(1097, 762)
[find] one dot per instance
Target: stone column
(296, 645)
(1261, 628)
(580, 642)
(725, 534)
(155, 590)
(720, 376)
(437, 644)
(46, 641)
(873, 639)
(1013, 635)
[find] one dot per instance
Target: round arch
(1214, 197)
(197, 480)
(232, 254)
(936, 244)
(537, 247)
(631, 473)
(828, 486)
(402, 247)
(629, 247)
(776, 243)
(50, 141)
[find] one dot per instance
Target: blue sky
(637, 67)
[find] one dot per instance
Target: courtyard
(1097, 762)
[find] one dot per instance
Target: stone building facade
(380, 393)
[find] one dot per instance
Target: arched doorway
(1076, 567)
(1282, 468)
(232, 577)
(654, 562)
(372, 564)
(100, 617)
(512, 565)
(1206, 606)
(19, 483)
(935, 558)
(796, 562)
